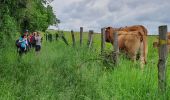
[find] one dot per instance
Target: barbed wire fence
(162, 48)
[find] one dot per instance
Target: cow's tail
(143, 48)
(145, 42)
(144, 30)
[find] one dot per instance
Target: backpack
(17, 43)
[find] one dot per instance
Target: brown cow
(142, 30)
(138, 28)
(129, 41)
(156, 43)
(168, 35)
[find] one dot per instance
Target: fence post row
(162, 58)
(73, 38)
(102, 40)
(90, 38)
(81, 35)
(116, 47)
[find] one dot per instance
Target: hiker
(21, 45)
(32, 39)
(26, 32)
(38, 42)
(26, 42)
(29, 43)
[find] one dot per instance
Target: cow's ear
(108, 28)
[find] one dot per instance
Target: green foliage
(38, 17)
(19, 15)
(7, 31)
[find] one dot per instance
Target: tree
(19, 15)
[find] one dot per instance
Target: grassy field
(62, 72)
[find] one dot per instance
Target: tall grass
(62, 72)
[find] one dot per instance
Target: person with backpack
(21, 45)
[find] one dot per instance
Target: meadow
(62, 72)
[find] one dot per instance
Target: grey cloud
(160, 15)
(114, 6)
(82, 10)
(150, 13)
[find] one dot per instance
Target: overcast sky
(94, 14)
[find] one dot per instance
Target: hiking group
(27, 41)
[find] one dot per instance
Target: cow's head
(108, 29)
(108, 34)
(155, 44)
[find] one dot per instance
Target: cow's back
(127, 40)
(139, 28)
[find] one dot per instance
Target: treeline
(19, 15)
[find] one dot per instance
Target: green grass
(62, 72)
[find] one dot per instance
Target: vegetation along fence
(163, 49)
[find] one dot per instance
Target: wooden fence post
(50, 37)
(56, 36)
(90, 38)
(116, 47)
(163, 52)
(73, 38)
(81, 35)
(46, 35)
(102, 40)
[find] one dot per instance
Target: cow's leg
(131, 53)
(142, 58)
(133, 56)
(132, 47)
